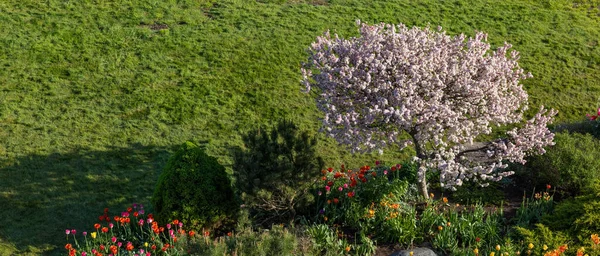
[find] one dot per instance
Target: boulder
(416, 252)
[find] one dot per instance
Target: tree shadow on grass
(581, 126)
(43, 195)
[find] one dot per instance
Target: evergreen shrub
(578, 216)
(194, 188)
(569, 166)
(275, 171)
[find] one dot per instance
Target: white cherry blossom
(442, 91)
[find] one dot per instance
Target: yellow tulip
(93, 234)
(545, 247)
(476, 251)
(530, 246)
(492, 254)
(497, 247)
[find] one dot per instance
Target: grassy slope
(93, 97)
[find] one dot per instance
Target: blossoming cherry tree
(442, 92)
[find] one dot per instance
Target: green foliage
(324, 239)
(541, 236)
(381, 183)
(368, 200)
(384, 206)
(570, 166)
(408, 172)
(277, 240)
(471, 192)
(533, 209)
(327, 241)
(451, 230)
(275, 171)
(577, 216)
(194, 188)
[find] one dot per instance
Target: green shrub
(278, 240)
(541, 236)
(579, 216)
(570, 165)
(327, 241)
(194, 188)
(275, 171)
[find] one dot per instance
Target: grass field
(94, 95)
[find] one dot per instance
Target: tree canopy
(444, 91)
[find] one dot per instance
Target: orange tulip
(113, 249)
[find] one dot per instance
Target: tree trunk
(423, 179)
(423, 187)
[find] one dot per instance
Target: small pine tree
(275, 171)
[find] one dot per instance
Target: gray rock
(416, 252)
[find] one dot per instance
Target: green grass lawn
(94, 95)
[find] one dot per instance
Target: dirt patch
(157, 27)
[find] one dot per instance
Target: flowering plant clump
(343, 187)
(593, 117)
(441, 91)
(370, 200)
(596, 120)
(558, 251)
(532, 209)
(132, 232)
